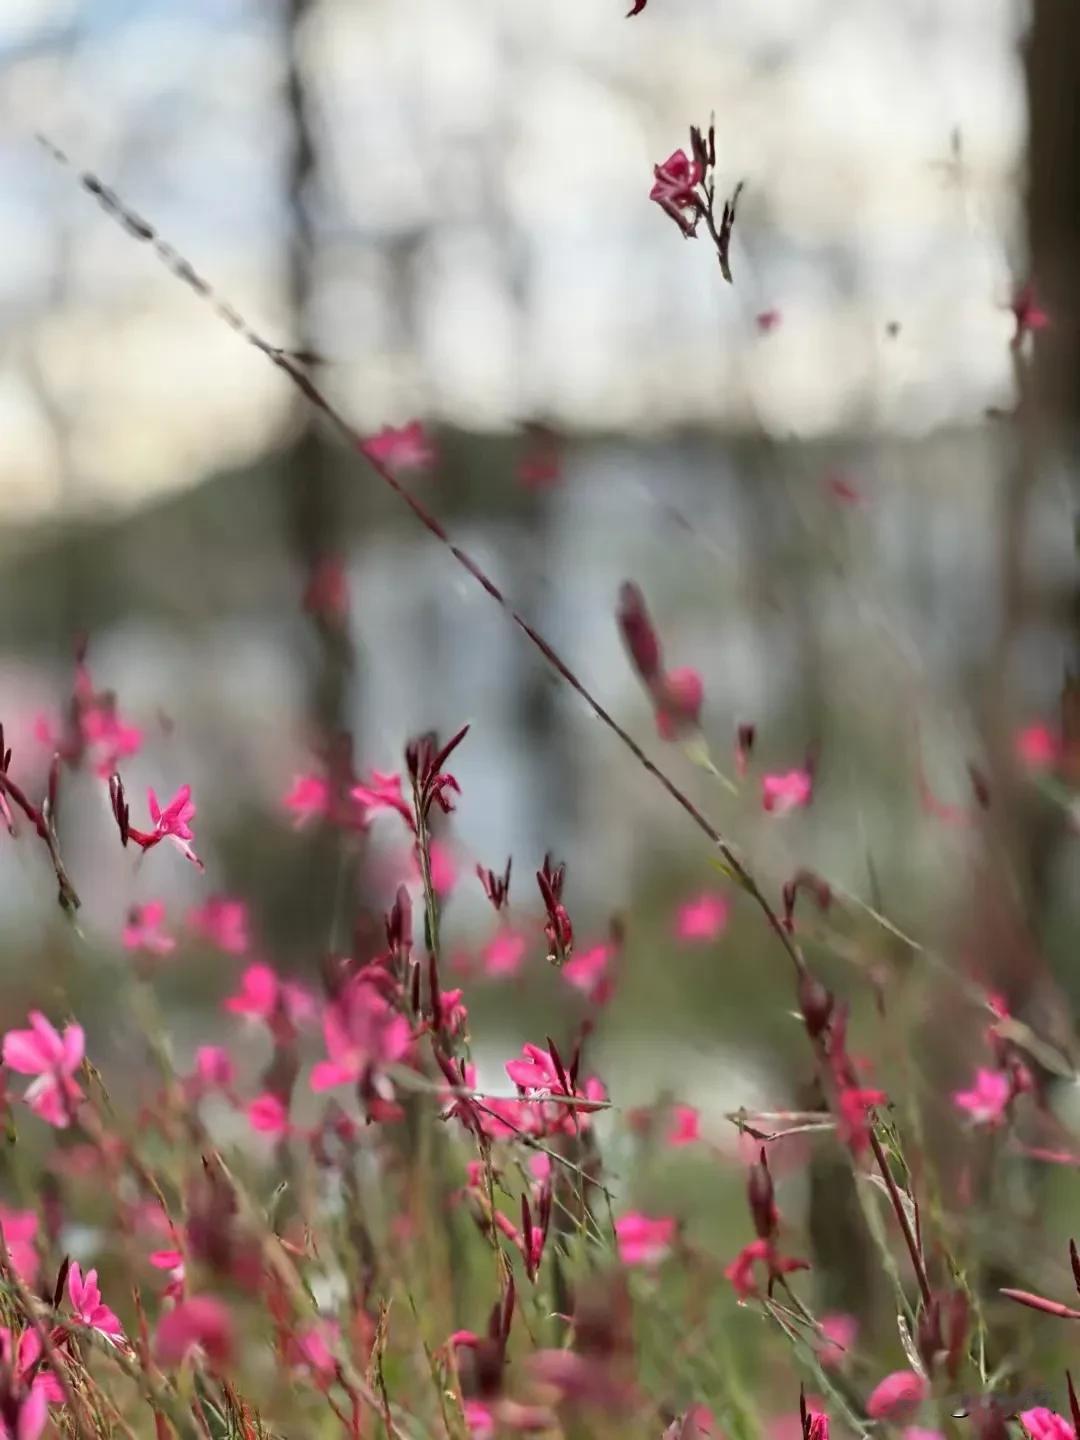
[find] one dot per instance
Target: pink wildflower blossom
(308, 799)
(268, 1115)
(382, 792)
(19, 1229)
(143, 930)
(684, 1127)
(85, 1299)
(362, 1033)
(1037, 747)
(587, 971)
(679, 698)
(768, 321)
(170, 823)
(504, 953)
(674, 188)
(897, 1397)
(1043, 1424)
(838, 1337)
(53, 1059)
(25, 1361)
(213, 1068)
(988, 1099)
(406, 448)
(222, 922)
(790, 791)
(642, 1240)
(703, 918)
(759, 1252)
(199, 1322)
(1028, 313)
(313, 1348)
(264, 996)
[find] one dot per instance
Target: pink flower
(1027, 313)
(897, 1397)
(143, 930)
(853, 1128)
(918, 1432)
(308, 799)
(312, 1348)
(644, 1241)
(363, 1033)
(443, 868)
(264, 996)
(170, 823)
(503, 954)
(536, 1074)
(200, 1321)
(703, 918)
(684, 1127)
(838, 1337)
(986, 1102)
(587, 971)
(268, 1115)
(108, 738)
(326, 595)
(679, 698)
(1037, 747)
(26, 1365)
(171, 1261)
(213, 1067)
(767, 321)
(408, 448)
(480, 1419)
(1043, 1424)
(791, 791)
(53, 1059)
(19, 1228)
(85, 1299)
(674, 187)
(382, 792)
(222, 922)
(759, 1252)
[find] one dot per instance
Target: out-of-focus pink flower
(540, 469)
(838, 1335)
(213, 1068)
(200, 1321)
(222, 922)
(53, 1059)
(897, 1397)
(108, 738)
(503, 954)
(1028, 313)
(1043, 1424)
(406, 448)
(643, 1240)
(587, 971)
(308, 799)
(1037, 747)
(268, 1115)
(171, 1261)
(264, 996)
(443, 868)
(855, 1106)
(382, 792)
(326, 595)
(674, 186)
(85, 1299)
(20, 1228)
(313, 1348)
(480, 1418)
(789, 1426)
(143, 930)
(987, 1100)
(768, 321)
(24, 1358)
(684, 1126)
(759, 1252)
(362, 1033)
(703, 918)
(919, 1432)
(679, 697)
(790, 791)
